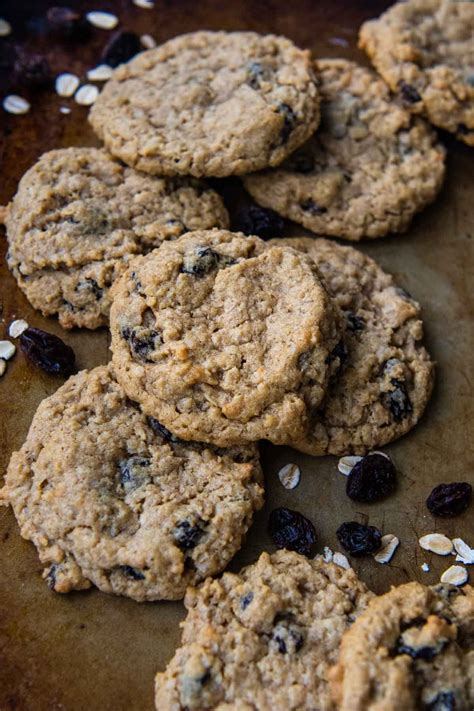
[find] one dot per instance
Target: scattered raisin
(48, 352)
(358, 539)
(121, 47)
(67, 22)
(408, 92)
(291, 530)
(444, 701)
(132, 572)
(371, 479)
(32, 70)
(449, 499)
(289, 121)
(161, 430)
(398, 401)
(187, 535)
(354, 322)
(311, 206)
(259, 221)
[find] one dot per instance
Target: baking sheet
(92, 651)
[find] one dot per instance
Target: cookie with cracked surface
(110, 497)
(412, 648)
(387, 378)
(263, 639)
(424, 51)
(78, 217)
(366, 171)
(209, 104)
(223, 339)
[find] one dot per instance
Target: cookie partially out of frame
(224, 339)
(209, 104)
(78, 217)
(109, 497)
(424, 50)
(412, 648)
(387, 376)
(262, 640)
(366, 171)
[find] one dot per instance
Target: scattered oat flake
(341, 560)
(65, 109)
(148, 41)
(100, 73)
(425, 568)
(86, 95)
(5, 27)
(328, 555)
(436, 543)
(455, 575)
(102, 20)
(66, 84)
(290, 475)
(346, 464)
(7, 349)
(17, 327)
(3, 366)
(465, 554)
(14, 104)
(389, 545)
(144, 4)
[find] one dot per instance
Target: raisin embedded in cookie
(366, 171)
(209, 104)
(387, 377)
(110, 497)
(424, 51)
(263, 639)
(411, 649)
(224, 340)
(77, 218)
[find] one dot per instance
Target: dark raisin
(449, 499)
(463, 130)
(121, 47)
(92, 286)
(287, 636)
(161, 430)
(310, 206)
(255, 74)
(187, 535)
(398, 401)
(51, 577)
(339, 351)
(245, 600)
(290, 529)
(354, 322)
(289, 121)
(408, 92)
(259, 221)
(371, 479)
(132, 572)
(301, 163)
(133, 472)
(67, 22)
(204, 260)
(358, 539)
(444, 701)
(48, 352)
(32, 70)
(427, 653)
(142, 341)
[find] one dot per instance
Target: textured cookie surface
(424, 50)
(224, 340)
(413, 648)
(78, 217)
(387, 378)
(262, 640)
(209, 103)
(109, 497)
(368, 168)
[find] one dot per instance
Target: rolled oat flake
(289, 476)
(14, 104)
(455, 575)
(102, 20)
(86, 95)
(66, 84)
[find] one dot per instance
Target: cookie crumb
(346, 464)
(66, 84)
(436, 543)
(148, 41)
(7, 349)
(425, 568)
(14, 104)
(341, 560)
(390, 544)
(102, 20)
(290, 475)
(17, 327)
(86, 95)
(455, 575)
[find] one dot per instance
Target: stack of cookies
(142, 476)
